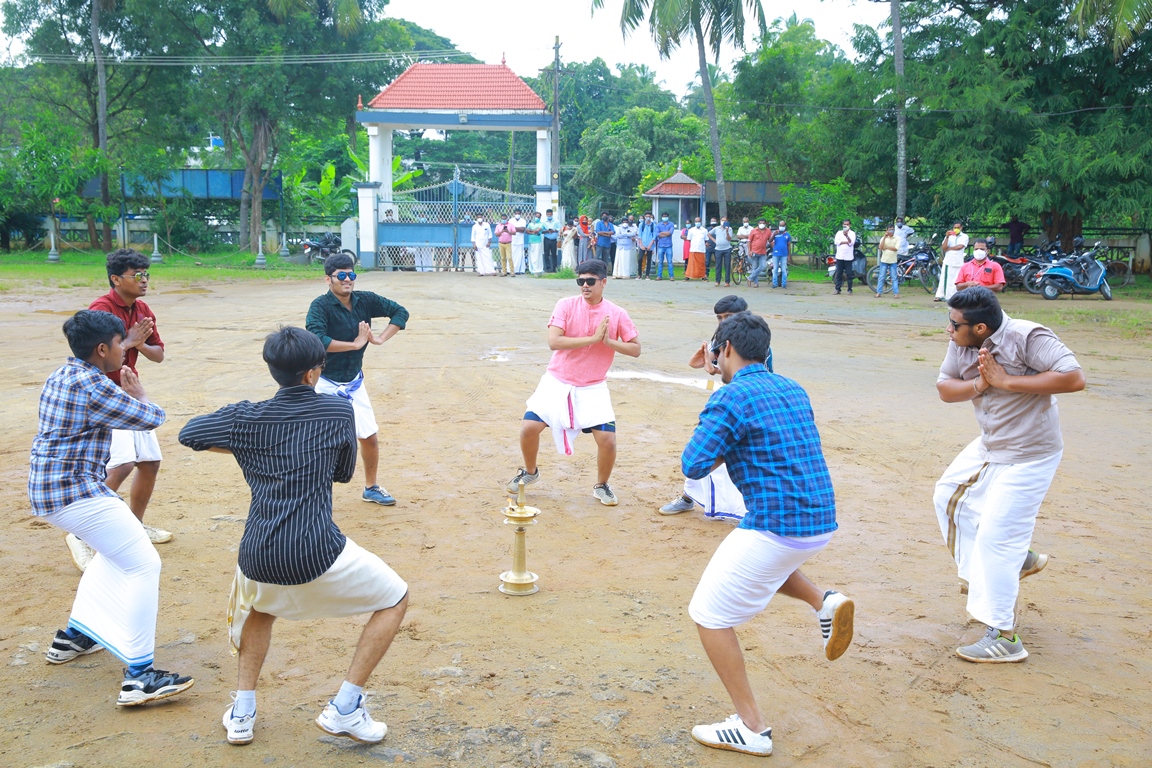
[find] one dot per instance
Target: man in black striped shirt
(294, 563)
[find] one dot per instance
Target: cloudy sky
(524, 32)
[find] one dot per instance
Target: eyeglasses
(342, 276)
(955, 325)
(587, 281)
(139, 276)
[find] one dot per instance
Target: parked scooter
(1080, 274)
(859, 263)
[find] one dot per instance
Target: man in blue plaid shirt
(761, 426)
(118, 595)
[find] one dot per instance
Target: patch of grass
(85, 268)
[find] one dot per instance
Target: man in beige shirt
(988, 498)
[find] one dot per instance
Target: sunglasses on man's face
(587, 281)
(342, 276)
(138, 276)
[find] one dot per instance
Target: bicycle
(911, 268)
(1118, 270)
(740, 264)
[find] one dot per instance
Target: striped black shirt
(291, 449)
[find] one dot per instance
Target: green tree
(1122, 20)
(711, 24)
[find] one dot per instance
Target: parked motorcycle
(859, 263)
(1048, 252)
(325, 246)
(928, 260)
(1080, 274)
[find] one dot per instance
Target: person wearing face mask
(505, 231)
(758, 241)
(781, 253)
(697, 237)
(721, 239)
(845, 242)
(981, 270)
(481, 240)
(646, 237)
(903, 232)
(568, 239)
(535, 241)
(710, 248)
(955, 243)
(664, 232)
(887, 267)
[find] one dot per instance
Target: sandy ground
(603, 666)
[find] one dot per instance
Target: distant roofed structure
(456, 87)
(679, 184)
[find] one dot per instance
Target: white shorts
(357, 582)
(130, 446)
(361, 407)
(744, 574)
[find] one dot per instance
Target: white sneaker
(836, 623)
(733, 735)
(240, 729)
(82, 554)
(158, 535)
(357, 725)
(605, 495)
(680, 504)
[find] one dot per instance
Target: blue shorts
(609, 427)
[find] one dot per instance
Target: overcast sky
(524, 32)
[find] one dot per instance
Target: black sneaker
(64, 648)
(151, 685)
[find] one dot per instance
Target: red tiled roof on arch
(426, 85)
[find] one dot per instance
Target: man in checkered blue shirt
(118, 595)
(761, 427)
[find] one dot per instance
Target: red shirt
(129, 315)
(758, 241)
(987, 273)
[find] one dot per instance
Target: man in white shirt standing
(845, 242)
(626, 235)
(481, 242)
(903, 233)
(955, 244)
(518, 247)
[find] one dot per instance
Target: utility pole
(556, 124)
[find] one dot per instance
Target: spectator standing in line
(686, 244)
(664, 232)
(586, 241)
(781, 255)
(710, 249)
(551, 234)
(697, 240)
(758, 241)
(845, 242)
(518, 252)
(535, 241)
(888, 267)
(625, 263)
(721, 239)
(981, 270)
(568, 237)
(605, 231)
(504, 234)
(647, 240)
(1016, 231)
(955, 244)
(481, 242)
(612, 248)
(903, 233)
(742, 236)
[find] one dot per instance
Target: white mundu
(717, 494)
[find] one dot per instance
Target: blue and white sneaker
(357, 725)
(241, 730)
(378, 495)
(64, 648)
(734, 736)
(151, 685)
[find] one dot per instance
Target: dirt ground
(601, 667)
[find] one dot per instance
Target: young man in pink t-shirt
(584, 333)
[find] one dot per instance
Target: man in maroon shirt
(128, 276)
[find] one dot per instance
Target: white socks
(245, 704)
(348, 698)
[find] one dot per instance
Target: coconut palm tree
(711, 24)
(1125, 19)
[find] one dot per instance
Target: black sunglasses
(955, 325)
(589, 281)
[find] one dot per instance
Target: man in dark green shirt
(342, 318)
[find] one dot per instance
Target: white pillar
(544, 172)
(380, 158)
(366, 198)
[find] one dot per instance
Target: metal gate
(430, 229)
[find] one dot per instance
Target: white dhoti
(357, 582)
(567, 409)
(625, 265)
(424, 259)
(536, 258)
(484, 263)
(717, 494)
(987, 514)
(948, 274)
(119, 593)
